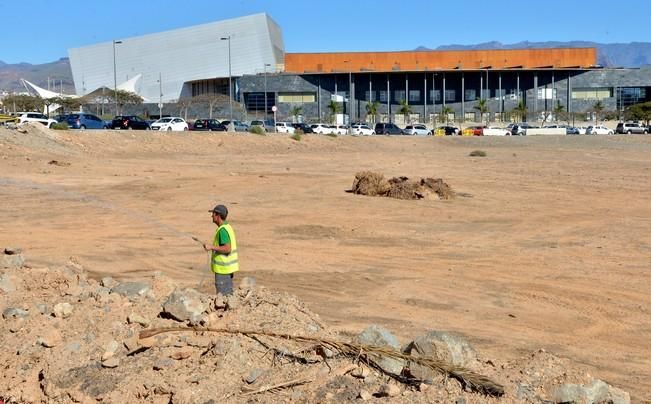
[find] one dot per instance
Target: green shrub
(477, 153)
(257, 130)
(60, 126)
(299, 131)
(296, 136)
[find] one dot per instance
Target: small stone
(232, 302)
(134, 318)
(180, 355)
(42, 308)
(247, 283)
(14, 312)
(390, 390)
(460, 400)
(131, 344)
(365, 395)
(108, 282)
(51, 339)
(361, 372)
(62, 310)
(111, 363)
(163, 363)
(254, 375)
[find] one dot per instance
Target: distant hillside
(59, 73)
(634, 54)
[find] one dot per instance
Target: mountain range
(59, 74)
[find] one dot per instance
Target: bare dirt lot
(547, 244)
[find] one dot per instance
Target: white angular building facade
(187, 61)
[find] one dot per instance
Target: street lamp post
(266, 106)
(230, 86)
(115, 77)
(350, 96)
(160, 95)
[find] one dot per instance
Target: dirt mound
(374, 184)
(68, 338)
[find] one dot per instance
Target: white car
(362, 130)
(36, 117)
(284, 127)
(417, 130)
(598, 130)
(170, 123)
(320, 128)
(495, 131)
(339, 129)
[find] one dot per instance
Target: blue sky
(41, 31)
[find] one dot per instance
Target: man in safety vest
(224, 252)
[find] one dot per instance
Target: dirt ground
(547, 244)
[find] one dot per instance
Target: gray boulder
(441, 346)
(381, 337)
(12, 258)
(595, 392)
(132, 290)
(185, 305)
(13, 312)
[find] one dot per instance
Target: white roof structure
(179, 56)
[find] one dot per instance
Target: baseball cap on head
(220, 210)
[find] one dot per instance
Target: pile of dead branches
(374, 184)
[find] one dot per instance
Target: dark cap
(220, 210)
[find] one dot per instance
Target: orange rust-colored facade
(556, 58)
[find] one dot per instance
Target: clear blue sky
(41, 31)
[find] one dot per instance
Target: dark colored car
(305, 128)
(129, 122)
(209, 125)
(82, 120)
(447, 130)
(387, 128)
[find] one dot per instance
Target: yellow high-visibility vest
(225, 264)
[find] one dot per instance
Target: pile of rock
(70, 338)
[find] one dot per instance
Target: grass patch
(257, 130)
(477, 153)
(331, 134)
(60, 126)
(297, 137)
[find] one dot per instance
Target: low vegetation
(477, 153)
(297, 136)
(59, 126)
(257, 130)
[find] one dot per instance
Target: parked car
(238, 126)
(36, 117)
(267, 125)
(83, 120)
(495, 131)
(339, 129)
(520, 129)
(284, 127)
(387, 128)
(305, 128)
(210, 125)
(631, 127)
(571, 130)
(129, 122)
(364, 130)
(447, 130)
(320, 128)
(581, 129)
(598, 130)
(476, 130)
(171, 123)
(417, 129)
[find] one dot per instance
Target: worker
(223, 250)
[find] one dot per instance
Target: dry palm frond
(363, 353)
(277, 387)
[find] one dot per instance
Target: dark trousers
(224, 284)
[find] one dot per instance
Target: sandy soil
(547, 246)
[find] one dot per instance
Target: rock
(460, 400)
(247, 283)
(232, 302)
(50, 339)
(111, 363)
(381, 337)
(13, 312)
(595, 392)
(365, 395)
(62, 310)
(617, 396)
(134, 318)
(43, 308)
(390, 390)
(73, 347)
(161, 364)
(108, 282)
(110, 349)
(442, 346)
(131, 290)
(6, 285)
(12, 258)
(254, 375)
(180, 355)
(185, 305)
(361, 372)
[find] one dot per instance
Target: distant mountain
(633, 54)
(59, 73)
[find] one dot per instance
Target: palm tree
(445, 114)
(521, 111)
(405, 109)
(334, 108)
(598, 107)
(371, 109)
(295, 112)
(482, 107)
